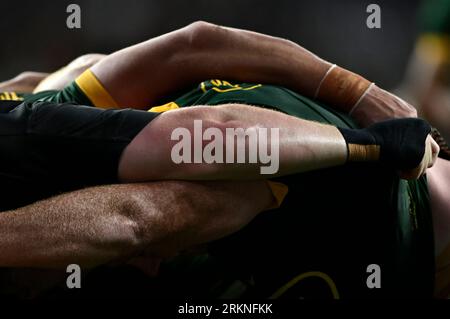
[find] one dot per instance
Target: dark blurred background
(35, 36)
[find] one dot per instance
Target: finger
(428, 155)
(431, 151)
(435, 150)
(428, 160)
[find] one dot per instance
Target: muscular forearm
(110, 223)
(193, 213)
(221, 52)
(86, 227)
(205, 51)
(163, 65)
(300, 146)
(64, 76)
(235, 141)
(228, 53)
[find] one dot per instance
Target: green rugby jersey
(70, 94)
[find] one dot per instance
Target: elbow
(86, 61)
(193, 40)
(125, 228)
(165, 228)
(200, 34)
(146, 222)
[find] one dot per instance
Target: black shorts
(48, 148)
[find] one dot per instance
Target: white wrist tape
(360, 99)
(323, 79)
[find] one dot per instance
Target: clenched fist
(404, 145)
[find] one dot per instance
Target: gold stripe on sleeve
(164, 108)
(95, 91)
(279, 192)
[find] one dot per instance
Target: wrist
(361, 145)
(342, 88)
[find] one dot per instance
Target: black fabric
(50, 148)
(317, 228)
(401, 141)
(6, 106)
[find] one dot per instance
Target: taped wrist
(396, 143)
(342, 88)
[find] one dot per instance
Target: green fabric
(70, 94)
(273, 97)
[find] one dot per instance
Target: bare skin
(184, 57)
(30, 81)
(64, 76)
(25, 82)
(303, 145)
(118, 222)
(439, 185)
(138, 224)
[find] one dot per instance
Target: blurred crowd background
(35, 36)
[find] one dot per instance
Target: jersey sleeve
(62, 147)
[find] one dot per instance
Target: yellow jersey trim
(202, 86)
(236, 89)
(164, 108)
(311, 274)
(10, 96)
(95, 91)
(279, 192)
